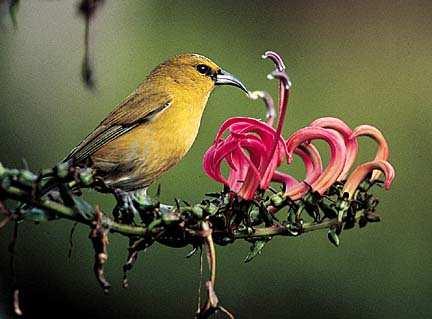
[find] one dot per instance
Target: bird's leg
(125, 211)
(141, 196)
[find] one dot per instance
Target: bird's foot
(125, 210)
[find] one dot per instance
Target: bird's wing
(136, 109)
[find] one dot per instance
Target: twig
(212, 304)
(71, 243)
(12, 245)
(99, 237)
(16, 303)
(219, 219)
(200, 279)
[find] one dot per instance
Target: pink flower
(254, 150)
(316, 180)
(350, 143)
(375, 134)
(246, 151)
(361, 172)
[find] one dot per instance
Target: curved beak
(225, 78)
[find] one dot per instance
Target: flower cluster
(254, 151)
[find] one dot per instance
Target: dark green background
(365, 62)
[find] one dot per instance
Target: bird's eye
(203, 69)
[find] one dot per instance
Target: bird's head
(194, 72)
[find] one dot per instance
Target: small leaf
(372, 217)
(197, 211)
(212, 209)
(62, 170)
(192, 252)
(159, 190)
(143, 201)
(254, 216)
(37, 215)
(83, 208)
(265, 215)
(333, 237)
(6, 182)
(256, 249)
(2, 170)
(86, 177)
(213, 195)
(27, 178)
(277, 200)
(362, 222)
(154, 224)
(170, 218)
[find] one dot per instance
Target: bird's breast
(155, 146)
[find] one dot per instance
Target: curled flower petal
(284, 90)
(337, 154)
(268, 101)
(350, 143)
(312, 161)
(361, 172)
(282, 77)
(247, 151)
(239, 170)
(313, 164)
(213, 158)
(374, 133)
(287, 180)
(276, 58)
(246, 124)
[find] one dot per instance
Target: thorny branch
(99, 238)
(220, 218)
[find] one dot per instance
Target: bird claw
(125, 210)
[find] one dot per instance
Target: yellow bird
(154, 127)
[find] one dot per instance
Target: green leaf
(212, 209)
(170, 218)
(37, 215)
(83, 208)
(255, 216)
(6, 182)
(197, 211)
(213, 195)
(372, 217)
(2, 170)
(62, 170)
(144, 201)
(86, 176)
(154, 224)
(277, 200)
(256, 249)
(333, 237)
(27, 178)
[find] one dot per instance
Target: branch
(219, 219)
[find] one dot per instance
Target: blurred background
(365, 62)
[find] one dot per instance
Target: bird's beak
(225, 78)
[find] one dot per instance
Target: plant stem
(69, 213)
(284, 231)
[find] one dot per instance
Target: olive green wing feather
(138, 108)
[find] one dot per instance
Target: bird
(153, 128)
